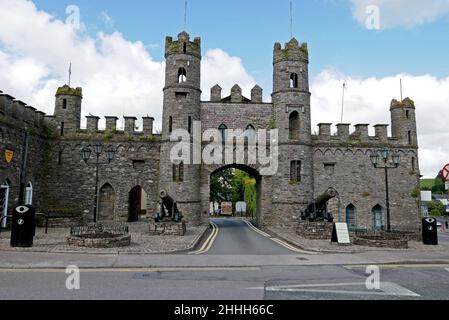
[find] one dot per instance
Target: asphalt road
(237, 238)
(255, 283)
(236, 262)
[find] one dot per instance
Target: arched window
(294, 80)
(351, 215)
(182, 75)
(250, 135)
(293, 126)
(378, 218)
(29, 194)
(224, 132)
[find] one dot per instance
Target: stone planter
(99, 236)
(101, 242)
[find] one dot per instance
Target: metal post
(96, 189)
(387, 200)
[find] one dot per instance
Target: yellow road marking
(210, 240)
(131, 270)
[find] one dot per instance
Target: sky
(117, 53)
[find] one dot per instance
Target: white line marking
(387, 289)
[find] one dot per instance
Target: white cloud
(118, 77)
(220, 68)
(401, 13)
(368, 101)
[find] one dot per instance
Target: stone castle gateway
(58, 181)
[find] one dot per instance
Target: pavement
(235, 261)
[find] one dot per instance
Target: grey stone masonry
(307, 164)
(92, 123)
(111, 123)
(147, 125)
(215, 93)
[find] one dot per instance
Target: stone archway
(106, 203)
(209, 171)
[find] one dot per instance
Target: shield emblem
(9, 154)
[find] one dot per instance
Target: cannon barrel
(325, 197)
(169, 207)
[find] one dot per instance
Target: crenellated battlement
(291, 51)
(183, 45)
(360, 134)
(236, 95)
(111, 126)
(406, 103)
(17, 113)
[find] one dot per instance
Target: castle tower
(182, 96)
(293, 184)
(67, 115)
(403, 122)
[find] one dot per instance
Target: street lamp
(385, 156)
(98, 150)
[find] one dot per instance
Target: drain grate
(302, 259)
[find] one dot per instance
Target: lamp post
(98, 150)
(384, 155)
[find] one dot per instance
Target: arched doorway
(106, 203)
(235, 183)
(137, 203)
(4, 198)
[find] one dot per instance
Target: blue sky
(248, 29)
(118, 55)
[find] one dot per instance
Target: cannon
(169, 209)
(317, 209)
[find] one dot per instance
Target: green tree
(436, 209)
(221, 185)
(439, 186)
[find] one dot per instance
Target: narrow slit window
(62, 129)
(294, 80)
(409, 137)
(64, 103)
(295, 171)
(170, 124)
(190, 125)
(182, 75)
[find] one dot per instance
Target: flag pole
(70, 73)
(343, 101)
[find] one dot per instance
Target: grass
(427, 183)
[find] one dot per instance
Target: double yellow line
(209, 241)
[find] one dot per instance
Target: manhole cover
(147, 275)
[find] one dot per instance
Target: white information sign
(340, 234)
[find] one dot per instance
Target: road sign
(446, 172)
(340, 234)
